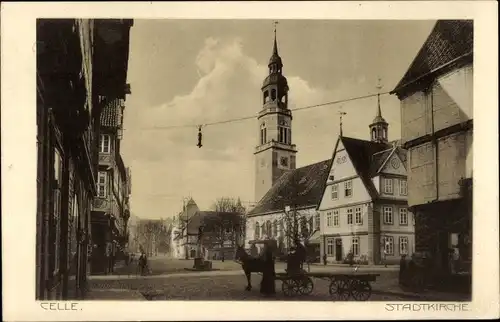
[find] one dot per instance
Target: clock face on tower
(284, 161)
(395, 163)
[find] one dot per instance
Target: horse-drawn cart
(342, 286)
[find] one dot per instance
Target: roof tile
(449, 40)
(301, 187)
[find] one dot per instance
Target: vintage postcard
(187, 161)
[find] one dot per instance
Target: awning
(315, 238)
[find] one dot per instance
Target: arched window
(263, 133)
(374, 134)
(281, 228)
(273, 95)
(266, 97)
(304, 231)
(384, 133)
(257, 231)
(262, 230)
(269, 228)
(275, 228)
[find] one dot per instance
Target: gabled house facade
(364, 208)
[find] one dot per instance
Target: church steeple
(275, 152)
(379, 127)
(275, 64)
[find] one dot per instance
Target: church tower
(275, 153)
(379, 127)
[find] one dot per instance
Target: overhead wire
(253, 116)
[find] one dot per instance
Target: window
(269, 228)
(263, 133)
(275, 228)
(348, 188)
(358, 216)
(282, 228)
(336, 219)
(349, 216)
(403, 188)
(388, 186)
(329, 219)
(403, 245)
(102, 185)
(283, 134)
(335, 191)
(317, 222)
(387, 215)
(56, 219)
(105, 143)
(389, 245)
(403, 216)
(355, 246)
(329, 246)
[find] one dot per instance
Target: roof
(111, 114)
(448, 41)
(361, 153)
(302, 187)
(205, 218)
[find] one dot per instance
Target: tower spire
(379, 127)
(379, 87)
(275, 46)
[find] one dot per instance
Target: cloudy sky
(190, 72)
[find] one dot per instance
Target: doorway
(192, 253)
(338, 250)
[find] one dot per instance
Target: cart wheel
(361, 290)
(339, 289)
(306, 285)
(288, 287)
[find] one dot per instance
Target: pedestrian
(267, 285)
(402, 269)
(324, 259)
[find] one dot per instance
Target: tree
(151, 234)
(297, 227)
(228, 223)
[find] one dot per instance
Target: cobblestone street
(170, 281)
(216, 287)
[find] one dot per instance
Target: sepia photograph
(311, 160)
(187, 161)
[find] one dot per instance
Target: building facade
(110, 211)
(437, 115)
(221, 232)
(364, 206)
(72, 82)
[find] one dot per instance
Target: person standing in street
(268, 284)
(324, 259)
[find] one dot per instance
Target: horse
(249, 264)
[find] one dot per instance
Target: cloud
(168, 162)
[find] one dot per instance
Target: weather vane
(275, 23)
(341, 113)
(379, 85)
